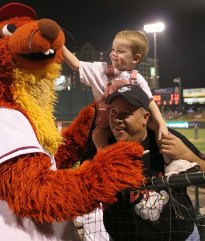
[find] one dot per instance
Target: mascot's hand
(113, 169)
(75, 138)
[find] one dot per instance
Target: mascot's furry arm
(30, 57)
(32, 189)
(75, 138)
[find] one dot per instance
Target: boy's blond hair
(138, 41)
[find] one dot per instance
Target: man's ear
(137, 59)
(147, 116)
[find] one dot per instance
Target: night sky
(180, 48)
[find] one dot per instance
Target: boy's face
(121, 55)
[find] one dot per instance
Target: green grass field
(200, 142)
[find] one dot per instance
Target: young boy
(128, 50)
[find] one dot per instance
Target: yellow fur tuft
(35, 93)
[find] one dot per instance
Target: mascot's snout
(48, 28)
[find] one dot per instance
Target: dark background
(180, 48)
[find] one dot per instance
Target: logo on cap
(124, 89)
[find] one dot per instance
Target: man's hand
(173, 147)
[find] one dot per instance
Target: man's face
(127, 122)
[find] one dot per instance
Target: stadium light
(62, 83)
(155, 28)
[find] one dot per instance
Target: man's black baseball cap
(133, 94)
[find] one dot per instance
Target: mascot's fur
(30, 57)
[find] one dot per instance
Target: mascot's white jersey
(16, 138)
(17, 135)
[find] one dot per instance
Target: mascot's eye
(8, 29)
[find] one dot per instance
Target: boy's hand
(162, 131)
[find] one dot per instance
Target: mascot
(36, 198)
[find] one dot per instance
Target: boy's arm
(70, 59)
(157, 123)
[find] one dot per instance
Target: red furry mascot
(36, 199)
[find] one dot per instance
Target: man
(161, 215)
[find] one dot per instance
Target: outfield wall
(185, 124)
